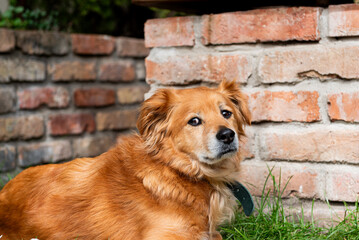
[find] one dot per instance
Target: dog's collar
(243, 196)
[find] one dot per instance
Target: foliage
(17, 17)
(114, 17)
(271, 222)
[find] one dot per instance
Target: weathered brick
(7, 97)
(94, 97)
(7, 158)
(342, 184)
(21, 69)
(298, 64)
(43, 43)
(71, 124)
(303, 182)
(179, 69)
(7, 40)
(133, 94)
(319, 145)
(92, 44)
(24, 127)
(119, 70)
(175, 31)
(45, 152)
(344, 106)
(131, 47)
(92, 146)
(34, 97)
(284, 106)
(325, 215)
(343, 20)
(116, 120)
(246, 145)
(262, 25)
(72, 70)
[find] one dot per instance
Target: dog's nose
(225, 135)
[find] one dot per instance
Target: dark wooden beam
(212, 6)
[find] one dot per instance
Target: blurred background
(112, 17)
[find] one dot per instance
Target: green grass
(271, 222)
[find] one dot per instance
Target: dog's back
(92, 198)
(73, 200)
(169, 182)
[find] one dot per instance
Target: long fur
(150, 186)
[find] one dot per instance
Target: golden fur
(168, 182)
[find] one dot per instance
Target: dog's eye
(195, 121)
(226, 114)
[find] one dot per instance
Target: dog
(169, 181)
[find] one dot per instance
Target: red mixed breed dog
(168, 182)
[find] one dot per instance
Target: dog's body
(169, 182)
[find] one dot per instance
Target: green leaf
(7, 14)
(19, 9)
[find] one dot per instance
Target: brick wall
(299, 67)
(64, 96)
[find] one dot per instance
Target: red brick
(115, 71)
(21, 69)
(42, 42)
(92, 44)
(344, 106)
(116, 120)
(131, 47)
(302, 63)
(262, 25)
(343, 20)
(53, 97)
(175, 31)
(284, 106)
(343, 184)
(71, 124)
(7, 40)
(7, 97)
(133, 94)
(303, 181)
(174, 70)
(24, 127)
(94, 97)
(92, 146)
(319, 145)
(72, 70)
(247, 147)
(44, 152)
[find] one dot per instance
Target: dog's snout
(225, 135)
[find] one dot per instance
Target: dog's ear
(153, 118)
(240, 100)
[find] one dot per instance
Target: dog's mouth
(225, 153)
(228, 151)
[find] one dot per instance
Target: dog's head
(202, 123)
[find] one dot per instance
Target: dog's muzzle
(226, 137)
